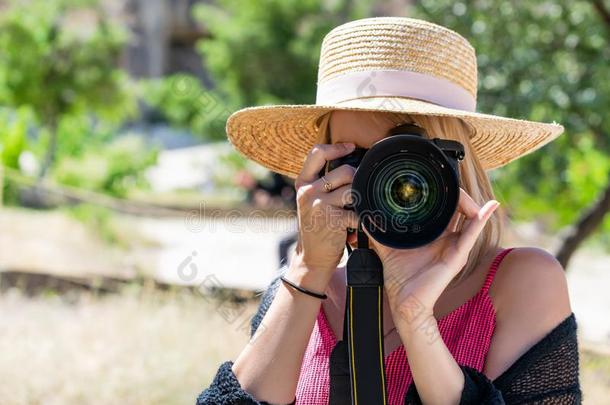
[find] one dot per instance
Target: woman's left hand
(415, 278)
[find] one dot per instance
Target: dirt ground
(138, 347)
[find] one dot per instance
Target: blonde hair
(473, 178)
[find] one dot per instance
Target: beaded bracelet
(303, 290)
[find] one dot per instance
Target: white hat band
(397, 83)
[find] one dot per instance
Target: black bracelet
(303, 290)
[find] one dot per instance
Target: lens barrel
(406, 188)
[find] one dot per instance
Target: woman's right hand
(323, 221)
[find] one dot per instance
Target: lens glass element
(407, 191)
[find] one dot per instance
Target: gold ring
(327, 186)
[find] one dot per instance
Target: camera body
(406, 186)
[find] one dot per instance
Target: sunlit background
(134, 240)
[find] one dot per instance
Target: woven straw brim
(280, 136)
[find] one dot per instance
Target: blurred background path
(235, 252)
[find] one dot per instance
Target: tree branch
(603, 12)
(584, 226)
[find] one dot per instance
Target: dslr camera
(406, 186)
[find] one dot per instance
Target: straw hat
(386, 64)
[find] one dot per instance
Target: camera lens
(406, 192)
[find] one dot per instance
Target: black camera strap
(357, 368)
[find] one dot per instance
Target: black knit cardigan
(547, 373)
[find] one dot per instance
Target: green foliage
(115, 168)
(13, 141)
(75, 135)
(234, 160)
(587, 173)
(545, 61)
(58, 58)
(13, 135)
(56, 70)
(185, 103)
(267, 52)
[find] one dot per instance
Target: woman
(493, 325)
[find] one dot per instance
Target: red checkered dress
(466, 331)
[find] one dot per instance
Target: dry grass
(134, 348)
(139, 347)
(595, 377)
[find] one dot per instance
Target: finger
(298, 247)
(340, 197)
(460, 222)
(351, 219)
(317, 157)
(454, 224)
(338, 177)
(466, 205)
(343, 219)
(474, 228)
(467, 208)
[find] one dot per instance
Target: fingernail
(349, 145)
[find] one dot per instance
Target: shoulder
(531, 278)
(530, 295)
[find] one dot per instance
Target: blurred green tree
(545, 60)
(182, 100)
(117, 169)
(265, 52)
(58, 58)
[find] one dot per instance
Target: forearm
(270, 365)
(435, 372)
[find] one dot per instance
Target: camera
(406, 186)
